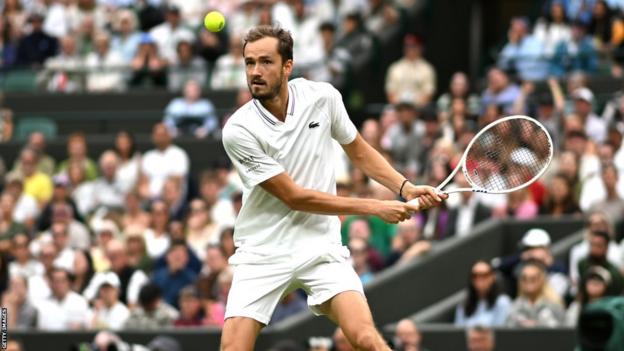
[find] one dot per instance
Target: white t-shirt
(110, 318)
(25, 208)
(159, 165)
(61, 315)
(137, 280)
(31, 268)
(261, 147)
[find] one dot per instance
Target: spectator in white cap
(131, 279)
(595, 127)
(535, 246)
(108, 311)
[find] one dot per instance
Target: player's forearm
(375, 166)
(307, 200)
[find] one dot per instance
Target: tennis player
(287, 235)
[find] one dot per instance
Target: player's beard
(271, 92)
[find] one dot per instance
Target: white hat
(109, 278)
(536, 237)
(583, 94)
(106, 225)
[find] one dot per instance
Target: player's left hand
(428, 196)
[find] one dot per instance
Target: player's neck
(278, 104)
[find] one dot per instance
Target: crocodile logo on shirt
(313, 125)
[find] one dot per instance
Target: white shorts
(258, 287)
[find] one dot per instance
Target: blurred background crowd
(135, 240)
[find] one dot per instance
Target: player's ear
(288, 67)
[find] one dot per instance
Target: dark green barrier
(435, 338)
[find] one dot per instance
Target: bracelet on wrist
(401, 188)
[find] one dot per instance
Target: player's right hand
(395, 211)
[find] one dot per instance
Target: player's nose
(255, 71)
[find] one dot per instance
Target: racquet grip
(414, 202)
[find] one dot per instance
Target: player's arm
(374, 165)
(255, 167)
(366, 158)
(307, 200)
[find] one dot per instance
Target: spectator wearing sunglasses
(485, 304)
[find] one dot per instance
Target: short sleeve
(342, 129)
(254, 166)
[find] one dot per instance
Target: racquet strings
(507, 155)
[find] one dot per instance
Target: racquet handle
(415, 202)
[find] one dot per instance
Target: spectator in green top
(381, 233)
(598, 247)
(77, 151)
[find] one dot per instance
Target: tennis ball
(214, 21)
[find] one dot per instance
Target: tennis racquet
(506, 155)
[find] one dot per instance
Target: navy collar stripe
(262, 113)
(292, 96)
(292, 107)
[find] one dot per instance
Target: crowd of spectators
(111, 46)
(138, 240)
(568, 37)
(544, 292)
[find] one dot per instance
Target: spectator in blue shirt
(126, 42)
(175, 276)
(499, 91)
(523, 54)
(579, 54)
(485, 305)
(191, 115)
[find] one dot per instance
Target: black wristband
(401, 189)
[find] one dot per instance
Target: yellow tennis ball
(214, 21)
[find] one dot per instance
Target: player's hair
(284, 39)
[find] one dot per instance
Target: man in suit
(468, 213)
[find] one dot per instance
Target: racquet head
(507, 155)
